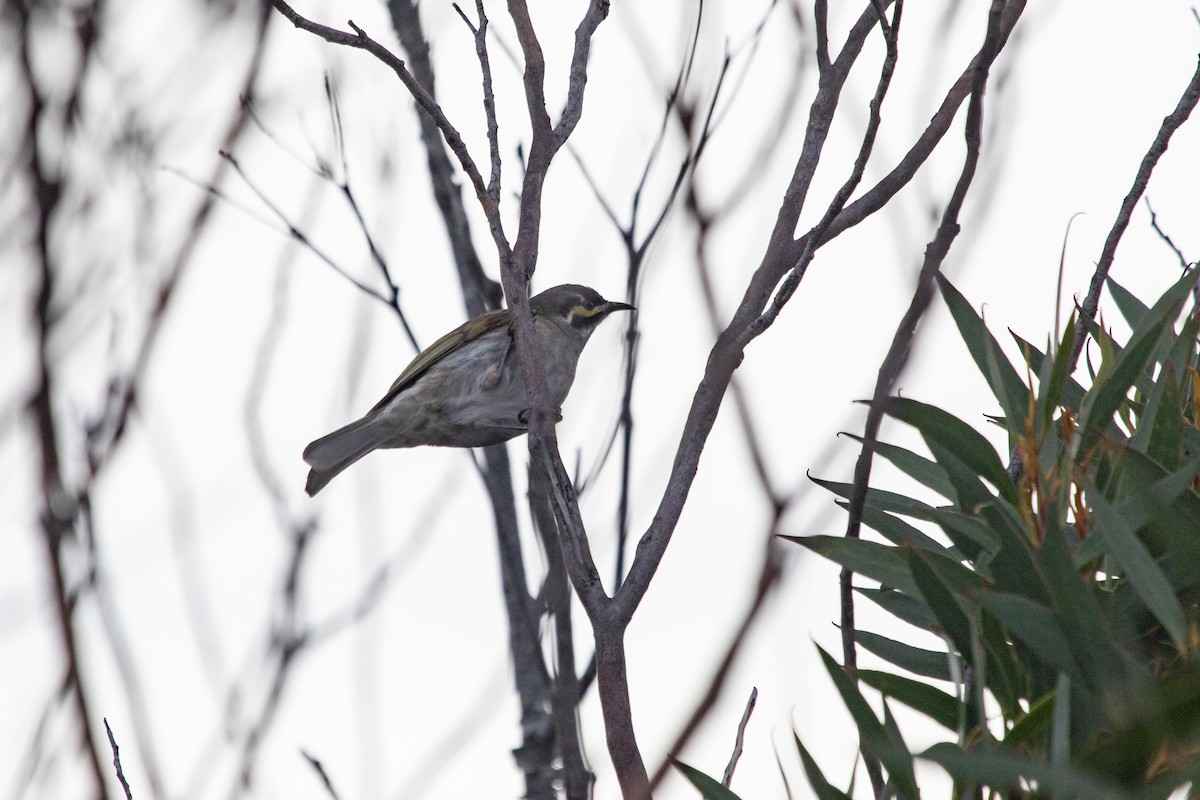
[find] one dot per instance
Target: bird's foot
(523, 416)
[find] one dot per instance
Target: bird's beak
(613, 305)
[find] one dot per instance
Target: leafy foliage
(1065, 587)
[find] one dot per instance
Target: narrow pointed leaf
(879, 498)
(939, 594)
(902, 606)
(710, 788)
(1092, 635)
(967, 532)
(1015, 401)
(1131, 308)
(1051, 391)
(956, 436)
(1114, 383)
(1004, 772)
(1138, 567)
(1072, 392)
(896, 530)
(1035, 625)
(816, 779)
(922, 469)
(901, 773)
(1003, 379)
(930, 663)
(871, 732)
(939, 706)
(1033, 724)
(876, 561)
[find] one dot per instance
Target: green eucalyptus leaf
(902, 774)
(954, 435)
(1131, 308)
(969, 533)
(896, 530)
(710, 788)
(1093, 635)
(816, 779)
(1004, 380)
(938, 585)
(874, 737)
(1032, 725)
(1138, 566)
(877, 562)
(930, 663)
(1034, 624)
(1008, 772)
(1072, 392)
(939, 706)
(923, 470)
(902, 606)
(1127, 366)
(1051, 391)
(879, 498)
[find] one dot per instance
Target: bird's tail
(332, 453)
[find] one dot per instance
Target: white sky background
(380, 703)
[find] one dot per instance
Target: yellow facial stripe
(584, 311)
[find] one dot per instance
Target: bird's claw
(523, 416)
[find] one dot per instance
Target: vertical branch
(566, 686)
(612, 676)
(782, 256)
(1170, 124)
(536, 753)
(898, 353)
(60, 506)
(480, 293)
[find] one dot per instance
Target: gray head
(580, 307)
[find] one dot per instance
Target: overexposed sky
(415, 700)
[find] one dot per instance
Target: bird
(467, 389)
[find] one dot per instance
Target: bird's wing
(470, 330)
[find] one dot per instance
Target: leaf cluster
(1065, 584)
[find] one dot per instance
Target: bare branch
(299, 235)
(726, 355)
(741, 733)
(480, 293)
(891, 33)
(898, 353)
(319, 768)
(577, 78)
(1162, 234)
(489, 98)
(116, 754)
(535, 756)
(343, 185)
(360, 40)
(1170, 124)
(883, 191)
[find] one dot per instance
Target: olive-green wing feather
(470, 330)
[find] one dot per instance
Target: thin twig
(343, 185)
(727, 779)
(530, 675)
(299, 235)
(1162, 234)
(360, 40)
(59, 505)
(727, 353)
(116, 754)
(1170, 124)
(321, 773)
(891, 35)
(901, 346)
